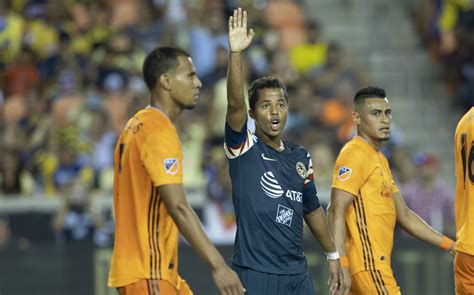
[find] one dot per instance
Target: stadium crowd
(446, 28)
(70, 76)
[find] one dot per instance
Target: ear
(252, 114)
(356, 118)
(164, 81)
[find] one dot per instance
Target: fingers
(251, 33)
(235, 18)
(334, 284)
(238, 19)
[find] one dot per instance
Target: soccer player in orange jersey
(149, 199)
(464, 159)
(366, 204)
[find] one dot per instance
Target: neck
(274, 142)
(170, 109)
(373, 143)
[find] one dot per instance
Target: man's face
(374, 118)
(270, 111)
(185, 84)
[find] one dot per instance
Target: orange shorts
(374, 282)
(464, 273)
(155, 287)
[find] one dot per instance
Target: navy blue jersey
(271, 192)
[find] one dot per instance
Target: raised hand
(239, 37)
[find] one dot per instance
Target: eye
(265, 106)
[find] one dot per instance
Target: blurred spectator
(403, 166)
(21, 75)
(11, 172)
(219, 214)
(290, 24)
(149, 31)
(12, 27)
(205, 37)
(456, 24)
(429, 196)
(310, 55)
(323, 158)
(77, 222)
(102, 141)
(336, 70)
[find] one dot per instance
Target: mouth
(275, 124)
(385, 129)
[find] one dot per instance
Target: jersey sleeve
(237, 143)
(310, 195)
(349, 170)
(162, 158)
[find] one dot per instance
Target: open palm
(239, 37)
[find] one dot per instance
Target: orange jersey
(148, 155)
(370, 220)
(464, 159)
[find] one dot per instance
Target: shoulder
(297, 149)
(354, 149)
(151, 125)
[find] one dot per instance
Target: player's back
(464, 158)
(146, 236)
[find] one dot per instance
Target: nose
(274, 110)
(386, 118)
(198, 83)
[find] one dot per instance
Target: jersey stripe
(369, 261)
(234, 152)
(371, 254)
(150, 230)
(157, 235)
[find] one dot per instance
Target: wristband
(344, 261)
(332, 255)
(446, 243)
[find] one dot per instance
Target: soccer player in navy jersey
(272, 185)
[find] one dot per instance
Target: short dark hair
(160, 61)
(368, 92)
(264, 83)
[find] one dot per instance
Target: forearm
(418, 228)
(337, 226)
(190, 227)
(318, 225)
(235, 83)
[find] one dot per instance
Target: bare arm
(414, 225)
(317, 223)
(188, 223)
(239, 40)
(340, 202)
